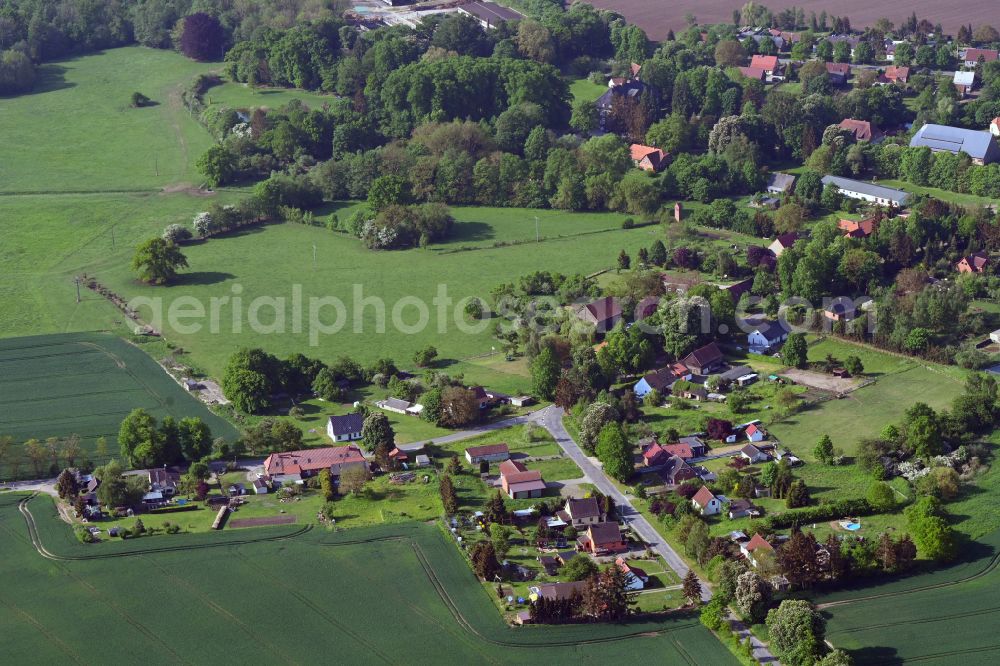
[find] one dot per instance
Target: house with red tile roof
(977, 262)
(772, 68)
(857, 228)
(635, 578)
(972, 56)
(838, 72)
(863, 130)
(783, 242)
(756, 545)
(706, 503)
(294, 465)
(519, 482)
(675, 471)
(893, 74)
(755, 73)
(602, 539)
(648, 158)
(654, 455)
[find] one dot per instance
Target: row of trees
(145, 443)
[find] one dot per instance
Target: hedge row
(814, 514)
(175, 508)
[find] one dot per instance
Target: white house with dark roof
(765, 336)
(346, 428)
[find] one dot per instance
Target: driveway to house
(550, 418)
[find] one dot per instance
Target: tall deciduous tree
(156, 261)
(202, 37)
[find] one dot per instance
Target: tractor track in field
(468, 626)
(990, 566)
(422, 559)
(887, 625)
(223, 612)
(43, 630)
(350, 633)
(953, 653)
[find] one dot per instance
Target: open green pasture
(78, 132)
(275, 262)
(288, 593)
(57, 385)
(243, 97)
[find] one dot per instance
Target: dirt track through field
(656, 18)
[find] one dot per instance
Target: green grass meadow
(394, 594)
(57, 385)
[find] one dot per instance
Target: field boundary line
(43, 630)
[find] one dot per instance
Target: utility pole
(536, 229)
(112, 236)
(314, 256)
(76, 280)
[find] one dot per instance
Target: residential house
(488, 453)
(753, 454)
(687, 448)
(773, 69)
(971, 56)
(840, 311)
(780, 183)
(603, 313)
(688, 390)
(857, 228)
(742, 509)
(634, 69)
(654, 455)
(706, 503)
(838, 72)
(755, 433)
(863, 130)
(648, 158)
(783, 242)
(964, 82)
(755, 73)
(398, 456)
(659, 380)
(981, 146)
(580, 512)
(164, 480)
(676, 471)
(753, 548)
(602, 539)
(489, 14)
(346, 428)
(893, 76)
(635, 578)
(260, 487)
(977, 262)
(561, 591)
(851, 41)
(704, 360)
(787, 456)
(741, 375)
(481, 397)
(521, 400)
(737, 289)
(857, 189)
(422, 460)
(394, 405)
(295, 465)
(519, 482)
(766, 336)
(629, 90)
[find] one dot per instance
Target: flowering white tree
(202, 223)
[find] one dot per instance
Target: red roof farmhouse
(519, 482)
(488, 453)
(308, 462)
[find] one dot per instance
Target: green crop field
(942, 617)
(395, 594)
(56, 385)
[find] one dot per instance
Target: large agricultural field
(86, 383)
(942, 617)
(658, 18)
(289, 593)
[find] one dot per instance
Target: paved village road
(551, 419)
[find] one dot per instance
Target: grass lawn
(585, 89)
(243, 97)
(943, 195)
(77, 132)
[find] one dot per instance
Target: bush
(628, 223)
(139, 100)
(815, 514)
(176, 234)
